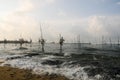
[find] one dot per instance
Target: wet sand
(8, 73)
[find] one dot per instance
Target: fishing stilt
(5, 42)
(21, 42)
(30, 42)
(42, 41)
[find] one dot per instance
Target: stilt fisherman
(30, 42)
(42, 41)
(61, 43)
(21, 42)
(5, 42)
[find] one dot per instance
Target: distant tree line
(14, 41)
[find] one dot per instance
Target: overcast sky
(91, 19)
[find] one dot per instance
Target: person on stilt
(21, 42)
(30, 42)
(42, 43)
(39, 41)
(61, 43)
(5, 42)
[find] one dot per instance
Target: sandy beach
(9, 73)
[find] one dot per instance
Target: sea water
(76, 62)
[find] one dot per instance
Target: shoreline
(10, 73)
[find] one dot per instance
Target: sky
(91, 19)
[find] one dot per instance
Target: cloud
(69, 28)
(88, 28)
(118, 3)
(43, 3)
(100, 1)
(18, 23)
(62, 13)
(107, 26)
(97, 26)
(50, 1)
(26, 6)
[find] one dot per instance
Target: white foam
(72, 72)
(67, 54)
(48, 57)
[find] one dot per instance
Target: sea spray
(74, 72)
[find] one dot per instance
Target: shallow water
(85, 62)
